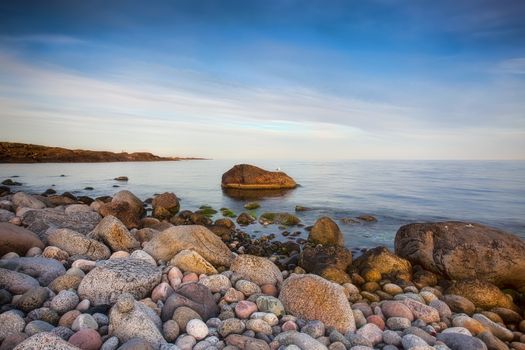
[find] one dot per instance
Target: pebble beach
(119, 273)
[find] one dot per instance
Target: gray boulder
(168, 243)
(461, 250)
(111, 278)
(75, 243)
(44, 270)
(45, 341)
(16, 282)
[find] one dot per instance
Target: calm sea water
(395, 192)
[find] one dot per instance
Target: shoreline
(260, 294)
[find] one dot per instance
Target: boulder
(196, 296)
(75, 243)
(44, 270)
(245, 176)
(315, 259)
(130, 319)
(113, 233)
(111, 278)
(483, 294)
(24, 200)
(257, 269)
(165, 206)
(190, 261)
(168, 243)
(40, 221)
(311, 297)
(325, 231)
(6, 215)
(461, 250)
(382, 260)
(17, 239)
(45, 341)
(126, 207)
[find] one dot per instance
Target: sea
(394, 192)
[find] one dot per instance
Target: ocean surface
(395, 192)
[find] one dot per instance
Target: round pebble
(86, 339)
(64, 301)
(197, 329)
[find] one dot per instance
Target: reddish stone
(86, 339)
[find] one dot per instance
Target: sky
(304, 80)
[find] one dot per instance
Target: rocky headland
(11, 152)
(119, 273)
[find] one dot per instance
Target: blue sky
(313, 80)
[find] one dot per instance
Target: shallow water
(395, 192)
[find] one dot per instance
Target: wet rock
(44, 270)
(111, 278)
(191, 261)
(483, 294)
(17, 239)
(40, 221)
(114, 234)
(126, 207)
(75, 243)
(165, 205)
(325, 231)
(279, 219)
(196, 296)
(168, 243)
(130, 319)
(446, 248)
(313, 298)
(45, 341)
(245, 219)
(245, 176)
(384, 262)
(313, 259)
(257, 269)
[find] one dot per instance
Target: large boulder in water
(168, 243)
(461, 250)
(311, 297)
(245, 176)
(17, 239)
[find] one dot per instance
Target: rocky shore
(12, 152)
(119, 273)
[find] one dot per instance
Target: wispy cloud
(513, 66)
(46, 39)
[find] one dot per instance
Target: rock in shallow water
(111, 278)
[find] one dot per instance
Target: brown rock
(325, 231)
(244, 176)
(86, 339)
(460, 250)
(190, 261)
(257, 269)
(168, 243)
(314, 259)
(483, 294)
(126, 207)
(65, 282)
(383, 261)
(245, 342)
(76, 243)
(196, 296)
(165, 205)
(313, 298)
(114, 233)
(457, 303)
(17, 239)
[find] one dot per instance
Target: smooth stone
(259, 326)
(496, 329)
(371, 332)
(75, 243)
(10, 323)
(314, 329)
(422, 311)
(302, 340)
(161, 292)
(231, 326)
(86, 339)
(398, 323)
(45, 341)
(171, 330)
(32, 299)
(245, 308)
(183, 315)
(396, 309)
(216, 283)
(114, 234)
(197, 329)
(44, 270)
(460, 330)
(237, 341)
(84, 321)
(456, 341)
(270, 304)
(410, 341)
(391, 338)
(392, 289)
(247, 288)
(194, 295)
(191, 261)
(17, 239)
(64, 301)
(37, 326)
(65, 282)
(186, 342)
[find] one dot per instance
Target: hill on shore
(11, 152)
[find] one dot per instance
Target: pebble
(197, 329)
(457, 341)
(84, 321)
(86, 339)
(32, 299)
(245, 308)
(183, 315)
(171, 330)
(266, 303)
(392, 289)
(392, 338)
(11, 323)
(289, 326)
(217, 283)
(231, 326)
(259, 326)
(371, 332)
(110, 344)
(359, 318)
(247, 288)
(396, 309)
(410, 341)
(64, 301)
(37, 326)
(314, 329)
(83, 305)
(161, 292)
(398, 323)
(186, 342)
(496, 329)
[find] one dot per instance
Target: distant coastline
(12, 152)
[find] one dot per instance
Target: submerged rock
(245, 176)
(461, 250)
(279, 219)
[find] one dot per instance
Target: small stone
(64, 301)
(86, 339)
(171, 330)
(391, 338)
(289, 326)
(84, 321)
(270, 289)
(233, 296)
(161, 292)
(32, 299)
(474, 326)
(270, 304)
(197, 329)
(37, 326)
(110, 344)
(396, 309)
(411, 341)
(422, 311)
(496, 329)
(377, 320)
(10, 323)
(456, 341)
(231, 326)
(459, 304)
(371, 332)
(359, 317)
(259, 326)
(245, 308)
(398, 323)
(68, 318)
(186, 342)
(183, 315)
(392, 289)
(216, 283)
(247, 288)
(315, 329)
(190, 277)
